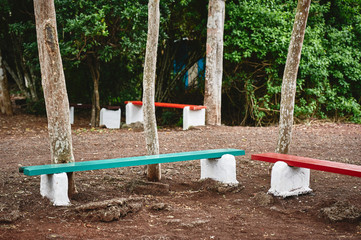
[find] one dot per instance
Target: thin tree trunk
(18, 80)
(288, 91)
(29, 80)
(214, 61)
(5, 102)
(95, 73)
(150, 124)
(53, 82)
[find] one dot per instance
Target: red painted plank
(170, 105)
(315, 164)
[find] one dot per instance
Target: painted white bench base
(110, 118)
(55, 186)
(71, 113)
(289, 181)
(134, 113)
(222, 169)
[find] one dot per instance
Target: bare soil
(121, 204)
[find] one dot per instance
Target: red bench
(291, 175)
(315, 164)
(169, 105)
(193, 115)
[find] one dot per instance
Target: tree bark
(95, 73)
(288, 91)
(150, 124)
(5, 102)
(214, 61)
(53, 82)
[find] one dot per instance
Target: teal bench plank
(127, 162)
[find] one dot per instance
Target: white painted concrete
(222, 169)
(193, 118)
(289, 181)
(133, 113)
(110, 118)
(71, 112)
(55, 188)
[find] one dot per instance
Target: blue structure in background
(181, 57)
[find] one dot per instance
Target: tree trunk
(288, 91)
(95, 73)
(5, 102)
(18, 78)
(150, 124)
(214, 61)
(53, 82)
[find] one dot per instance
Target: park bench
(193, 115)
(109, 115)
(217, 164)
(291, 174)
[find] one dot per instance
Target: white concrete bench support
(133, 113)
(289, 181)
(193, 117)
(110, 118)
(71, 115)
(55, 188)
(222, 169)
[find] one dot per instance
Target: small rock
(159, 206)
(109, 210)
(341, 211)
(9, 217)
(263, 199)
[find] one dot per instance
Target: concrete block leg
(222, 169)
(71, 115)
(193, 117)
(110, 118)
(289, 181)
(133, 113)
(55, 188)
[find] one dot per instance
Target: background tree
(150, 124)
(18, 43)
(290, 77)
(214, 61)
(256, 42)
(53, 81)
(108, 38)
(5, 103)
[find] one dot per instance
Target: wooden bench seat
(315, 164)
(193, 115)
(218, 164)
(291, 176)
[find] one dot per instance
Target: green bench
(217, 164)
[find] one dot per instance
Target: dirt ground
(121, 204)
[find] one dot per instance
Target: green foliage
(256, 39)
(257, 36)
(36, 107)
(171, 117)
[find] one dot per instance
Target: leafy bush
(257, 35)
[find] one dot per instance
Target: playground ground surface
(120, 204)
